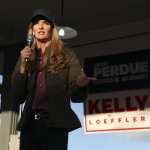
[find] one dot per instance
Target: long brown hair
(55, 54)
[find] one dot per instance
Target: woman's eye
(46, 22)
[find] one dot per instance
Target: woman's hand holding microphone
(25, 57)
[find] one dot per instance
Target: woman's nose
(40, 25)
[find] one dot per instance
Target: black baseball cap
(41, 14)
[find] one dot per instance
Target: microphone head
(29, 39)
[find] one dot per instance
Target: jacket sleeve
(77, 93)
(18, 85)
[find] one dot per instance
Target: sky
(78, 140)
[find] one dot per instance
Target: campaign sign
(117, 111)
(119, 72)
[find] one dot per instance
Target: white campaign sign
(117, 111)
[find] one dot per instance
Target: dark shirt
(40, 102)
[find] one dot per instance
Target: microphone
(29, 43)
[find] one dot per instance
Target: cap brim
(36, 18)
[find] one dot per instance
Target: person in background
(47, 77)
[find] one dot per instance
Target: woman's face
(41, 30)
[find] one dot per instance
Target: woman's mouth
(41, 32)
